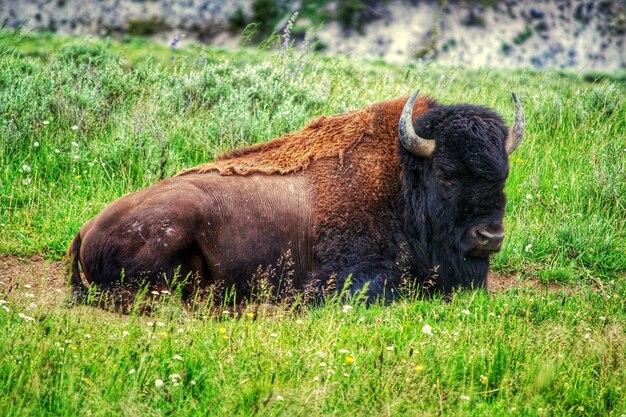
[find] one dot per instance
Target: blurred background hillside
(567, 34)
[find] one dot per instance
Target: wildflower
(528, 248)
(555, 187)
(158, 383)
(160, 324)
(87, 336)
(125, 333)
(165, 292)
(29, 295)
(25, 317)
(5, 308)
(74, 144)
(279, 398)
(390, 348)
(273, 335)
(76, 157)
(427, 329)
(2, 302)
(322, 364)
(349, 360)
(74, 127)
(361, 319)
(299, 321)
(419, 368)
(346, 308)
(45, 123)
(250, 315)
(174, 42)
(222, 330)
(529, 197)
(346, 375)
(519, 160)
(177, 358)
(193, 382)
(26, 168)
(344, 351)
(56, 150)
(132, 371)
(154, 292)
(27, 181)
(150, 324)
(466, 312)
(174, 377)
(36, 144)
(465, 397)
(602, 318)
(484, 380)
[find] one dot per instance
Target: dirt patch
(45, 279)
(48, 281)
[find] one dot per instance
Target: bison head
(455, 162)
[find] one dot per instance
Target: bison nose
(486, 239)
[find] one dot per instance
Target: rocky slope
(580, 35)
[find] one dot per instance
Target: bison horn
(413, 143)
(516, 133)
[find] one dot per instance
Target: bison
(402, 191)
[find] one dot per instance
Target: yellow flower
(222, 330)
(250, 315)
(519, 160)
(349, 360)
(420, 368)
(78, 177)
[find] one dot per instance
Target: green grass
(84, 121)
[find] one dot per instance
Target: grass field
(84, 121)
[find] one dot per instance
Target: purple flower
(175, 41)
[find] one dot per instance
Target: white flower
(466, 312)
(299, 321)
(2, 302)
(602, 318)
(346, 308)
(87, 336)
(5, 308)
(56, 150)
(162, 291)
(390, 348)
(427, 329)
(132, 371)
(25, 317)
(154, 292)
(76, 157)
(25, 168)
(465, 397)
(528, 248)
(45, 122)
(36, 144)
(273, 335)
(279, 398)
(27, 181)
(177, 357)
(555, 186)
(174, 377)
(344, 351)
(529, 197)
(160, 324)
(74, 144)
(158, 383)
(125, 333)
(193, 382)
(29, 295)
(322, 364)
(74, 127)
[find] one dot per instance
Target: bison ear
(516, 133)
(409, 139)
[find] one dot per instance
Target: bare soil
(48, 279)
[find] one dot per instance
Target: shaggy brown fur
(352, 161)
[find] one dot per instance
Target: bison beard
(354, 195)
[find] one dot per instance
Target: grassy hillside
(84, 121)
